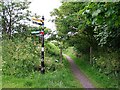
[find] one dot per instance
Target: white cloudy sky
(44, 7)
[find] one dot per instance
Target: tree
(14, 14)
(70, 24)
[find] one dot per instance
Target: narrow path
(79, 75)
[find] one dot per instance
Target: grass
(61, 78)
(99, 80)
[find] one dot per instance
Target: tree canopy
(96, 24)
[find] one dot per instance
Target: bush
(52, 50)
(19, 57)
(51, 65)
(108, 63)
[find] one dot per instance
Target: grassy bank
(61, 78)
(98, 79)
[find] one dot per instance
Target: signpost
(41, 35)
(35, 32)
(37, 21)
(42, 50)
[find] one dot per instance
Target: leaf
(95, 13)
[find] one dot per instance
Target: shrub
(108, 63)
(52, 50)
(19, 57)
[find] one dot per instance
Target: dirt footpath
(79, 75)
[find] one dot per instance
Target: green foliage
(61, 78)
(98, 15)
(52, 50)
(92, 20)
(19, 57)
(21, 54)
(94, 25)
(13, 16)
(108, 64)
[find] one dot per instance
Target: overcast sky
(44, 7)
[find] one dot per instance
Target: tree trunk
(4, 29)
(10, 24)
(61, 54)
(90, 55)
(9, 30)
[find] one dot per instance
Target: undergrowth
(60, 78)
(21, 60)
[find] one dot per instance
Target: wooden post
(42, 49)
